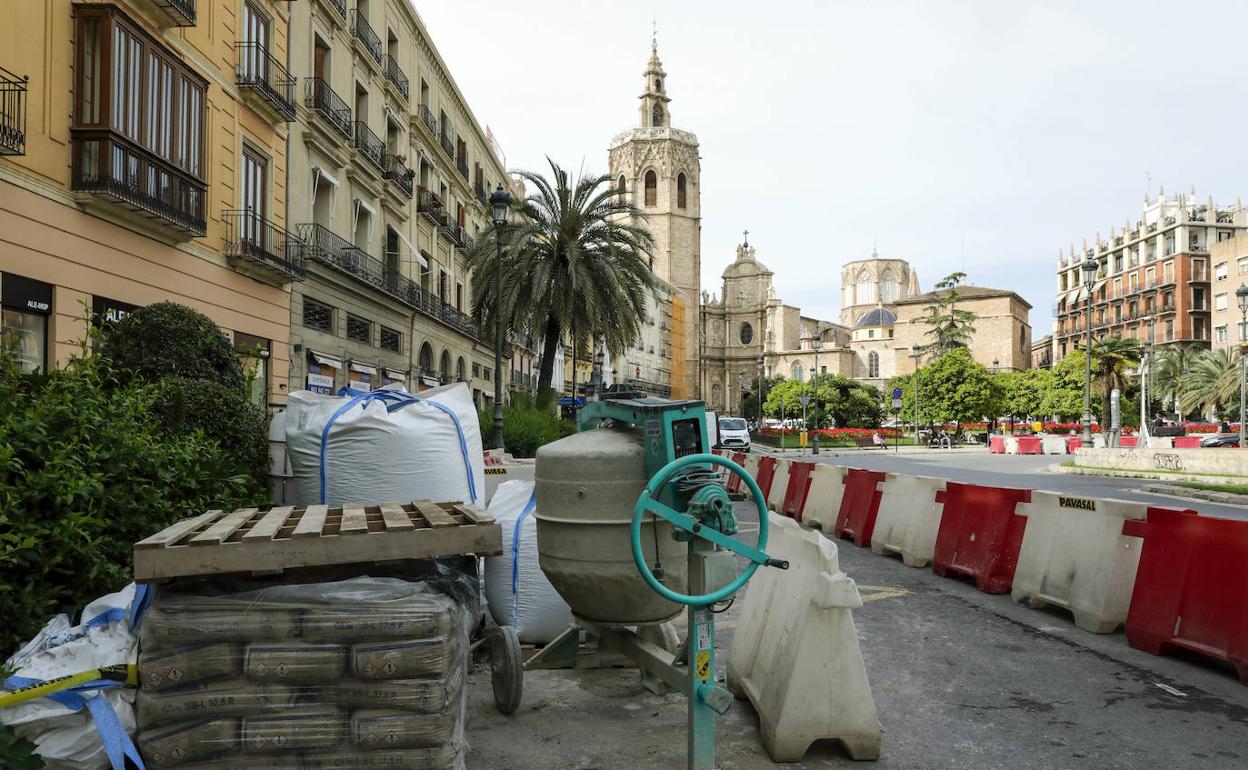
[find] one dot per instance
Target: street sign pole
(897, 410)
(803, 399)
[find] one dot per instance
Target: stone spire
(654, 99)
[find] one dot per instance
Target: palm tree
(575, 262)
(1174, 362)
(1212, 380)
(1111, 358)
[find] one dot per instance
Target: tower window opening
(656, 117)
(680, 191)
(652, 188)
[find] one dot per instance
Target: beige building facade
(125, 182)
(1002, 338)
(1230, 271)
(390, 174)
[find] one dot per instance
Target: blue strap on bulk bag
(117, 744)
(394, 400)
(529, 507)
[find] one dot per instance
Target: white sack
(534, 607)
(372, 455)
(68, 740)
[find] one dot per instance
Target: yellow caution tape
(127, 673)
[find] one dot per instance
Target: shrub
(86, 470)
(228, 417)
(171, 340)
(525, 429)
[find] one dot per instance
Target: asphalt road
(1021, 471)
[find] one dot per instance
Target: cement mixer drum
(587, 485)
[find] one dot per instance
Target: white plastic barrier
(1053, 445)
(779, 484)
(908, 518)
(751, 465)
(795, 653)
(1011, 445)
(506, 469)
(823, 501)
(516, 589)
(1075, 556)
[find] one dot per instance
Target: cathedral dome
(876, 317)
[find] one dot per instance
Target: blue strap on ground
(529, 507)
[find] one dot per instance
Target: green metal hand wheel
(648, 503)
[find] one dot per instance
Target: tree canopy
(948, 326)
(1022, 392)
(952, 388)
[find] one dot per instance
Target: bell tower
(657, 167)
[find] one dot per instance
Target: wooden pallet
(251, 540)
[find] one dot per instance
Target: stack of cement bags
(361, 673)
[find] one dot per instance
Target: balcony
(462, 165)
(339, 6)
(370, 146)
(400, 176)
(337, 252)
(431, 206)
(259, 74)
(365, 36)
(12, 113)
(329, 106)
(447, 146)
(262, 249)
(132, 179)
(172, 13)
(482, 197)
(394, 74)
(426, 117)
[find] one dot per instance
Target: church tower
(657, 167)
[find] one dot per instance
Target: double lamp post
(500, 203)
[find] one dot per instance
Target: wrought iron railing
(400, 175)
(13, 90)
(328, 248)
(329, 106)
(462, 165)
(340, 6)
(109, 165)
(259, 71)
(251, 237)
(482, 197)
(394, 73)
(447, 146)
(370, 146)
(426, 115)
(429, 205)
(365, 34)
(181, 13)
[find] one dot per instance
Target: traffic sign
(803, 399)
(896, 403)
(896, 395)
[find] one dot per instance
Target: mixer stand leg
(663, 635)
(560, 653)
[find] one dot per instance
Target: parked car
(622, 390)
(1221, 440)
(734, 433)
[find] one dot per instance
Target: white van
(734, 433)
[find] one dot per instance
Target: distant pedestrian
(1225, 427)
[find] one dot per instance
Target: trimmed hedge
(172, 340)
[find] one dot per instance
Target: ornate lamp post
(917, 351)
(1241, 296)
(817, 343)
(1090, 266)
(500, 202)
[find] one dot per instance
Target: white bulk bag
(516, 589)
(386, 445)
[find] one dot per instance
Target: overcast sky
(982, 135)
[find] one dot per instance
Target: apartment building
(1154, 275)
(1230, 271)
(143, 148)
(390, 175)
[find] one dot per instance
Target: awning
(1074, 295)
(413, 250)
(363, 368)
(430, 382)
(324, 359)
(395, 374)
(323, 174)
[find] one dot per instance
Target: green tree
(782, 398)
(1171, 365)
(948, 326)
(1022, 392)
(953, 388)
(1064, 397)
(1111, 358)
(577, 260)
(847, 403)
(1211, 382)
(171, 340)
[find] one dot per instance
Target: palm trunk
(550, 346)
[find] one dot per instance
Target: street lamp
(817, 343)
(1090, 266)
(1241, 296)
(760, 392)
(917, 351)
(500, 202)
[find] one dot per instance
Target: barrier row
(1063, 445)
(1174, 579)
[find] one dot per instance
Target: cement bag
(516, 589)
(89, 726)
(385, 445)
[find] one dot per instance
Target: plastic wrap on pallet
(359, 673)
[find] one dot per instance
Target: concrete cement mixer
(633, 524)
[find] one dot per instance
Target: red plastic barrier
(795, 493)
(1030, 445)
(996, 445)
(859, 506)
(979, 534)
(766, 472)
(1186, 442)
(1073, 443)
(1126, 441)
(734, 481)
(1191, 590)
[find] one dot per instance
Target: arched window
(862, 291)
(426, 359)
(680, 191)
(623, 189)
(446, 366)
(888, 289)
(796, 371)
(656, 116)
(459, 370)
(652, 188)
(873, 365)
